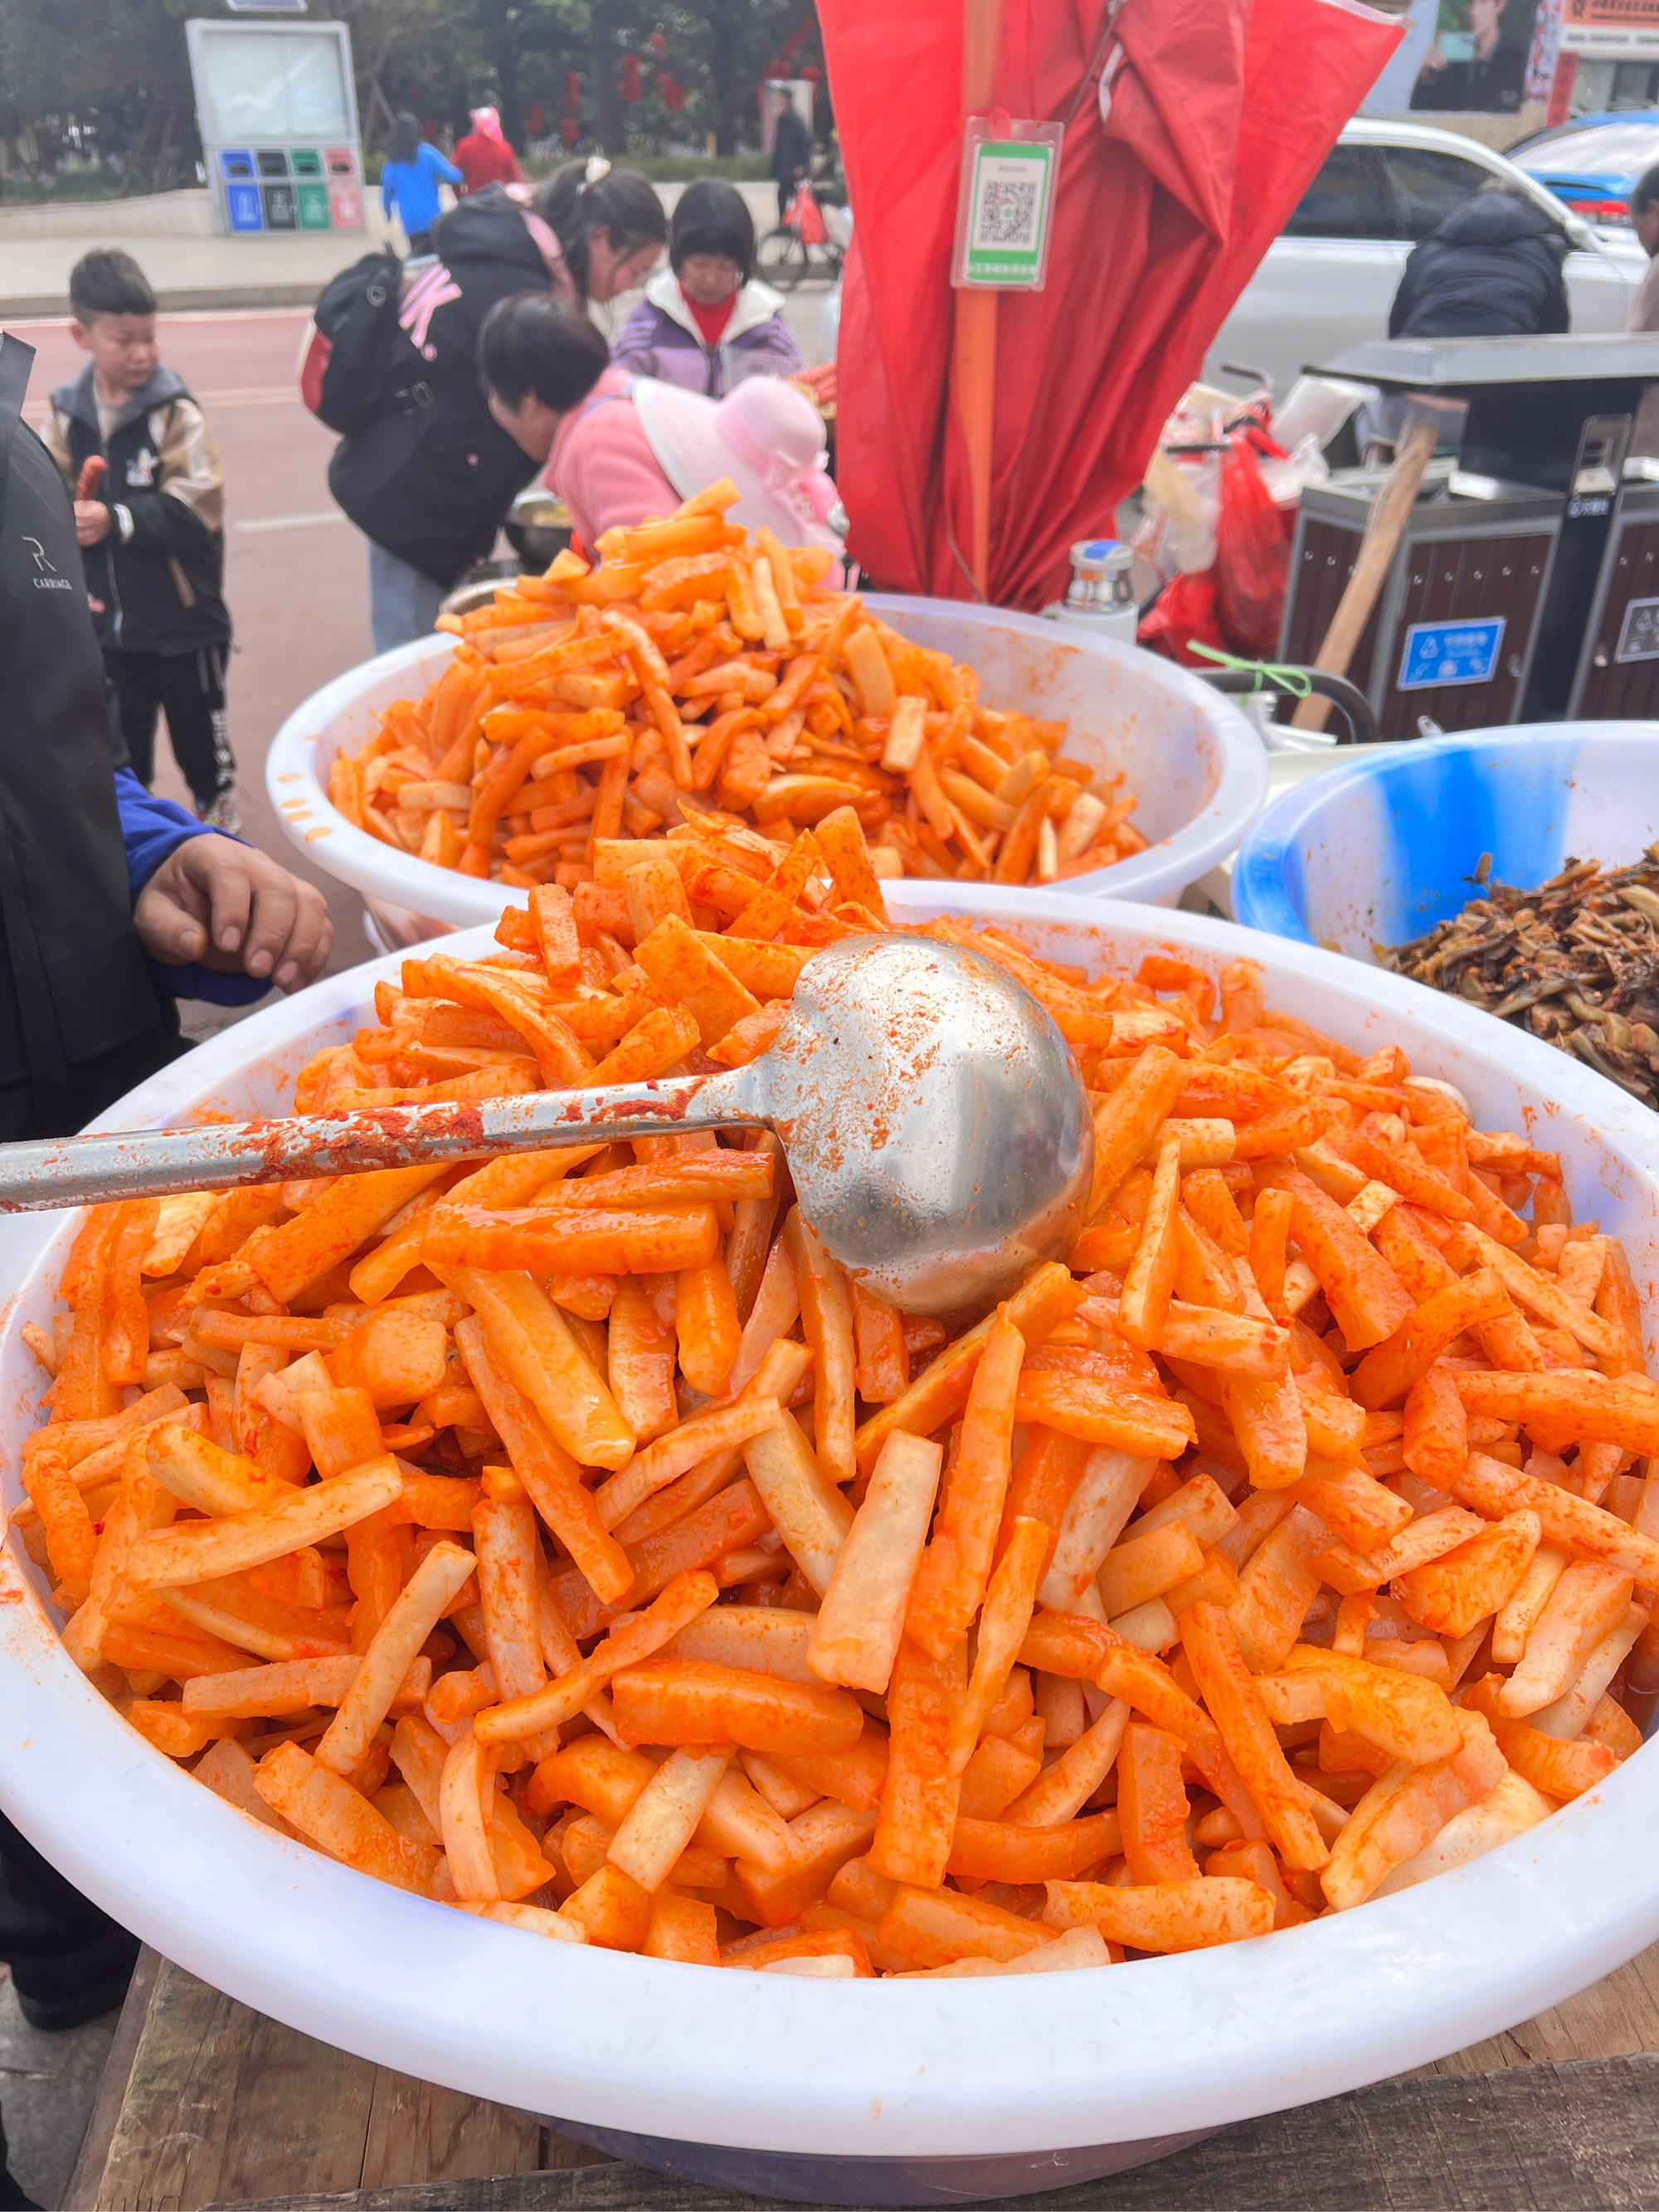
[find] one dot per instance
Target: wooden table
(208, 2105)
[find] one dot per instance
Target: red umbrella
(1219, 114)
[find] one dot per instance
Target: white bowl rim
(301, 804)
(903, 2069)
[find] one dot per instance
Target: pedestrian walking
(706, 322)
(141, 466)
(408, 182)
(483, 157)
(792, 151)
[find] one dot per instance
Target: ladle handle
(63, 1171)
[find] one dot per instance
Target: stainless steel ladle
(933, 1119)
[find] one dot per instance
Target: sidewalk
(271, 269)
(274, 271)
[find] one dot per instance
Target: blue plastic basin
(1382, 847)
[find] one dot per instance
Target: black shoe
(55, 2014)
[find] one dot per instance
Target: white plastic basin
(957, 2089)
(1194, 761)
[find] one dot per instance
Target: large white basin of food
(1034, 2074)
(1195, 763)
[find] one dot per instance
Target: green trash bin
(314, 206)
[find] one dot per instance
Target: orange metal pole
(976, 343)
(976, 393)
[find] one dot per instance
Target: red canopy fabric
(1221, 112)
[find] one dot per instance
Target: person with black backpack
(422, 468)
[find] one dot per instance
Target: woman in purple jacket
(705, 323)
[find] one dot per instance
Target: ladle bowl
(933, 1119)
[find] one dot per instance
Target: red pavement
(296, 572)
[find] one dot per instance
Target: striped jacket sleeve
(54, 435)
(187, 499)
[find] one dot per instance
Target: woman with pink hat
(629, 446)
(636, 447)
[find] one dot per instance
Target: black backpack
(346, 362)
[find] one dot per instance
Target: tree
(116, 74)
(610, 25)
(112, 77)
(730, 43)
(110, 72)
(520, 50)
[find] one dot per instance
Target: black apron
(80, 1020)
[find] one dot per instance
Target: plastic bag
(1253, 556)
(806, 217)
(1288, 479)
(1183, 613)
(1181, 498)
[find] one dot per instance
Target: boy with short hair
(150, 525)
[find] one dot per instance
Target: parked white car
(1329, 278)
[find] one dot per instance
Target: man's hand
(93, 521)
(229, 908)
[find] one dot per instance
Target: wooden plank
(419, 2132)
(94, 2155)
(224, 2101)
(560, 2153)
(313, 2121)
(1577, 2137)
(1391, 510)
(1610, 2019)
(223, 2104)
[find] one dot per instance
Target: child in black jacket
(151, 530)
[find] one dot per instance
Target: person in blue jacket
(409, 181)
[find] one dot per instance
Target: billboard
(1612, 15)
(1477, 61)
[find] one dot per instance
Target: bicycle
(785, 255)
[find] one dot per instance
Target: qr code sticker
(1008, 214)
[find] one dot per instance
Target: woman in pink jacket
(620, 448)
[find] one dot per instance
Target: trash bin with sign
(278, 115)
(1454, 631)
(1618, 674)
(1540, 523)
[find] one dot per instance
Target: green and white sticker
(1010, 193)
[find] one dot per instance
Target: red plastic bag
(1184, 613)
(1252, 558)
(806, 217)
